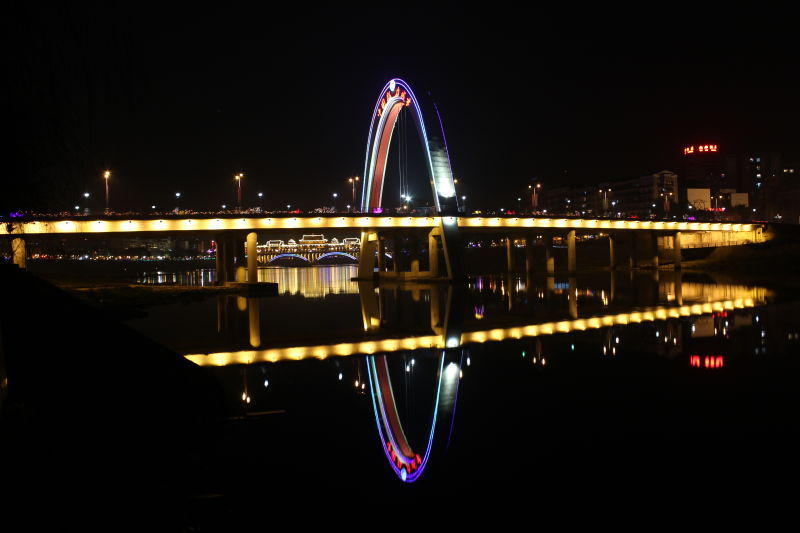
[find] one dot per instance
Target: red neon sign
(708, 361)
(700, 148)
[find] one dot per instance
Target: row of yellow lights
(298, 353)
(189, 224)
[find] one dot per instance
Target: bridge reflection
(449, 327)
(315, 282)
(411, 443)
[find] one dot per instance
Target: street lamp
(335, 196)
(535, 195)
(352, 181)
(238, 177)
(177, 201)
(106, 176)
(261, 200)
(464, 202)
(605, 197)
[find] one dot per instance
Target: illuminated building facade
(702, 165)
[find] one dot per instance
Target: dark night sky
(181, 98)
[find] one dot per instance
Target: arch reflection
(407, 462)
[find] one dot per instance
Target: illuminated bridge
(309, 249)
(440, 235)
(376, 230)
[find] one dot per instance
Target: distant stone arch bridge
(269, 257)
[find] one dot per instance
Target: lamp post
(464, 202)
(352, 181)
(335, 196)
(177, 201)
(261, 200)
(106, 177)
(238, 177)
(534, 195)
(605, 192)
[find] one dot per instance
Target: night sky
(181, 98)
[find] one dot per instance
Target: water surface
(335, 381)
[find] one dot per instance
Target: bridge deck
(80, 225)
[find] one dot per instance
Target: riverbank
(769, 258)
(88, 398)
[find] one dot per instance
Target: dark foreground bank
(94, 414)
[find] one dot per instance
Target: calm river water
(599, 376)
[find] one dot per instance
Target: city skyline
(169, 111)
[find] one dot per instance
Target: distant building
(702, 166)
(652, 194)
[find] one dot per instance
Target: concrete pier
(572, 257)
(511, 258)
(252, 257)
(19, 252)
(612, 261)
(549, 259)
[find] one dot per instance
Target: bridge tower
(394, 97)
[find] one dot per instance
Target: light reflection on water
(192, 278)
(311, 282)
(409, 355)
(314, 281)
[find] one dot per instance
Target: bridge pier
(374, 242)
(529, 256)
(366, 257)
(433, 254)
(225, 259)
(381, 253)
(19, 253)
(511, 258)
(218, 261)
(633, 255)
(549, 259)
(676, 250)
(612, 261)
(654, 249)
(238, 256)
(572, 257)
(252, 257)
